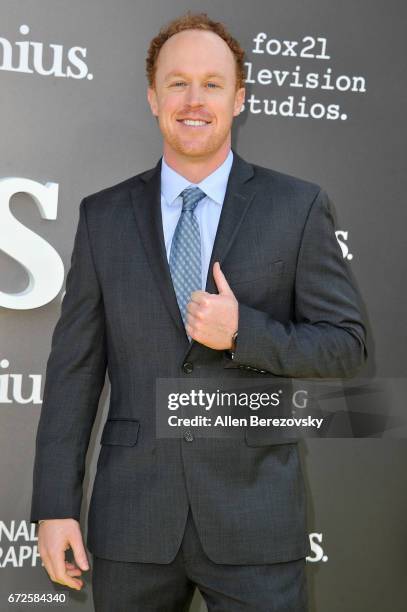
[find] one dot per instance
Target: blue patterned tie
(185, 253)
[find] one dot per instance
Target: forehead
(195, 51)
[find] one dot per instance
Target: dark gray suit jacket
(299, 316)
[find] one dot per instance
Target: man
(209, 266)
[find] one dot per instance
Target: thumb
(79, 552)
(220, 280)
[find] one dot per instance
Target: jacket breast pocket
(254, 285)
(120, 432)
(251, 273)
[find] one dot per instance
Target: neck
(195, 169)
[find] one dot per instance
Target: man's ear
(239, 100)
(152, 100)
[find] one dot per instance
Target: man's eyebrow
(215, 75)
(179, 73)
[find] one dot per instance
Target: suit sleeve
(327, 337)
(75, 375)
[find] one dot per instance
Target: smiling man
(205, 265)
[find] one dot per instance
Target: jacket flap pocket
(123, 432)
(265, 436)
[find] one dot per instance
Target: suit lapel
(146, 200)
(238, 197)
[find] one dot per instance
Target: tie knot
(190, 198)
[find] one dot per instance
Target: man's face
(195, 79)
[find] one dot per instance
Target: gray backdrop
(345, 131)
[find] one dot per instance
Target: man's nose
(194, 95)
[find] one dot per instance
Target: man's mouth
(194, 122)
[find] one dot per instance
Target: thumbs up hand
(212, 318)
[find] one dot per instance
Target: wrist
(231, 351)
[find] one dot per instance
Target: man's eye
(177, 83)
(213, 85)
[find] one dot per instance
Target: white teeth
(191, 122)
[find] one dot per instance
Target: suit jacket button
(188, 436)
(187, 367)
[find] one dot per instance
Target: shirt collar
(214, 185)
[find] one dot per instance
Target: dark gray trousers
(151, 587)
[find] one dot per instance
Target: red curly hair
(194, 21)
